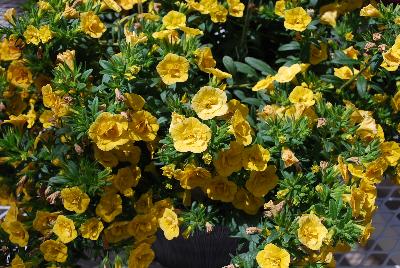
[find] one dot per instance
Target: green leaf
(342, 59)
(229, 65)
(245, 69)
(362, 86)
(290, 46)
(259, 65)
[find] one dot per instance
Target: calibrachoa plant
(121, 117)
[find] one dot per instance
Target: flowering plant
(122, 117)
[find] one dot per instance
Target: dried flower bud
(376, 36)
(382, 47)
(67, 57)
(78, 149)
(271, 209)
(253, 230)
(369, 45)
(354, 159)
(323, 165)
(118, 95)
(321, 122)
(53, 197)
(2, 107)
(209, 227)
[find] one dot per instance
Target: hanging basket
(201, 250)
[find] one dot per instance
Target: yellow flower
(34, 35)
(45, 34)
(117, 232)
(351, 52)
(64, 228)
(9, 49)
(91, 228)
(109, 131)
(126, 179)
(190, 32)
(241, 129)
(9, 15)
(143, 226)
(255, 158)
(229, 160)
(311, 232)
(287, 73)
(396, 102)
(109, 207)
(44, 221)
(273, 257)
(134, 101)
(54, 251)
(43, 5)
(168, 170)
(218, 14)
(217, 73)
(190, 135)
(173, 68)
(247, 202)
(56, 103)
(170, 36)
(280, 7)
(296, 19)
(349, 36)
(204, 58)
(261, 182)
(145, 203)
(368, 229)
(110, 4)
(70, 12)
(141, 256)
(192, 177)
(209, 102)
(67, 57)
(318, 54)
(220, 188)
(328, 14)
(133, 38)
(288, 157)
(169, 224)
(142, 126)
(74, 199)
(21, 119)
(128, 4)
(16, 231)
(302, 94)
(19, 75)
(17, 262)
(174, 20)
(235, 105)
(265, 84)
(236, 8)
(92, 25)
(344, 72)
(368, 129)
(362, 200)
(370, 11)
(390, 150)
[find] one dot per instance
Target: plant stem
(351, 80)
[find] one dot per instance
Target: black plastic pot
(201, 250)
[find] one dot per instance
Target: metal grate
(383, 249)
